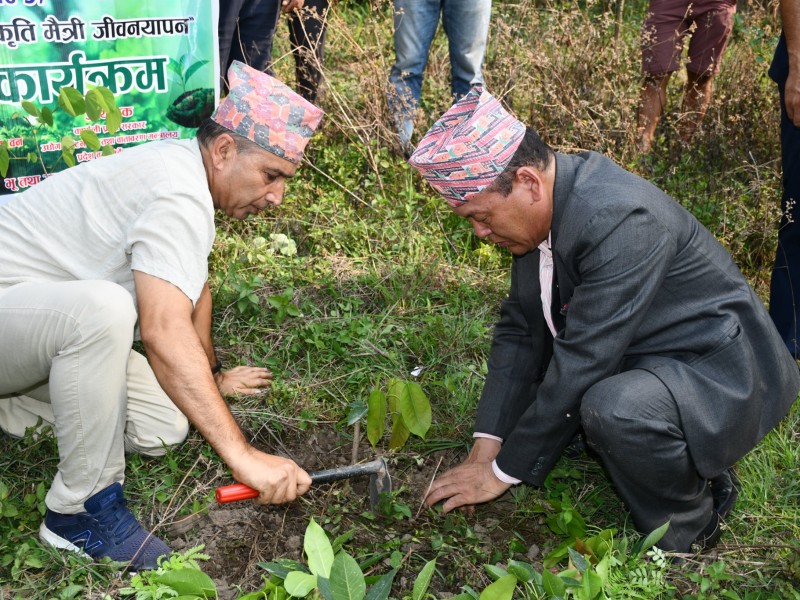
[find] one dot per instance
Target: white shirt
(147, 208)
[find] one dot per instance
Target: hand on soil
(244, 381)
(468, 484)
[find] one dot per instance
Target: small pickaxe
(379, 482)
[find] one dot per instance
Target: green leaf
(342, 540)
(553, 585)
(30, 108)
(652, 539)
(495, 572)
(318, 550)
(400, 432)
(502, 589)
(299, 584)
(193, 69)
(113, 119)
(522, 571)
(578, 560)
(105, 98)
(107, 150)
(71, 591)
(324, 588)
(393, 391)
(416, 409)
(33, 561)
(376, 416)
(46, 116)
(592, 584)
(188, 582)
(91, 140)
(602, 544)
(423, 580)
(357, 410)
(259, 595)
(281, 567)
(68, 150)
(347, 580)
(71, 100)
(381, 589)
(95, 104)
(5, 160)
(68, 157)
(175, 67)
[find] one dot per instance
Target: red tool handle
(235, 492)
(240, 491)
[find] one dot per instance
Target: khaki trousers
(65, 357)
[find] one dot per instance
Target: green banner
(158, 57)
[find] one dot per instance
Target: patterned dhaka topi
(267, 112)
(468, 147)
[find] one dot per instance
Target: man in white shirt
(97, 255)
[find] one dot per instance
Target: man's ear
(530, 179)
(223, 149)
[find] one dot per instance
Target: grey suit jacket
(641, 285)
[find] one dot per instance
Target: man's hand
(242, 380)
(277, 479)
(790, 16)
(484, 450)
(180, 361)
(288, 6)
(468, 484)
(792, 96)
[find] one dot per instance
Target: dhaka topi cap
(468, 147)
(266, 111)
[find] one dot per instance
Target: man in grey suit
(625, 318)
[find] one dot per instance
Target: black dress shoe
(710, 535)
(724, 491)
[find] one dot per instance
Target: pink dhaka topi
(468, 147)
(267, 112)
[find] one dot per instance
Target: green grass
(388, 279)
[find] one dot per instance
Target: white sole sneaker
(56, 541)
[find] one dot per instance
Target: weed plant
(382, 280)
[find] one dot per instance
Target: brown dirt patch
(238, 536)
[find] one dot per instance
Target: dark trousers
(784, 298)
(631, 421)
(246, 29)
(307, 35)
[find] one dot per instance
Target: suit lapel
(566, 171)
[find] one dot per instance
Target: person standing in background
(466, 24)
(246, 29)
(307, 30)
(668, 23)
(785, 285)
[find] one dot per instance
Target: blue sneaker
(107, 528)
